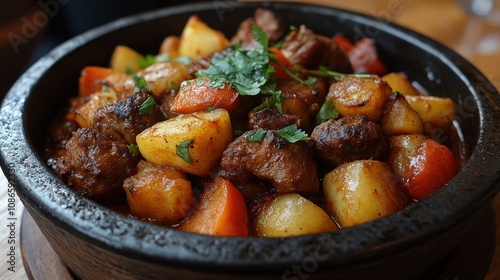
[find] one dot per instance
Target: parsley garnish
(246, 70)
(146, 61)
(129, 70)
(182, 150)
(134, 149)
(325, 72)
(139, 83)
(147, 106)
(256, 135)
(326, 112)
(293, 134)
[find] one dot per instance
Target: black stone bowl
(97, 243)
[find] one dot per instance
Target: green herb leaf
(139, 83)
(128, 70)
(146, 61)
(260, 36)
(326, 112)
(256, 135)
(147, 106)
(182, 150)
(246, 70)
(134, 149)
(274, 101)
(325, 72)
(293, 134)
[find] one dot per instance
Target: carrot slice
(198, 96)
(434, 167)
(364, 58)
(344, 43)
(90, 78)
(280, 57)
(221, 211)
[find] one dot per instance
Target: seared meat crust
(347, 139)
(289, 167)
(94, 165)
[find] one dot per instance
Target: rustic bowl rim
(135, 239)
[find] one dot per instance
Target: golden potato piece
(399, 117)
(360, 96)
(170, 46)
(192, 142)
(435, 112)
(400, 83)
(85, 113)
(361, 191)
(162, 77)
(403, 149)
(292, 215)
(160, 193)
(125, 59)
(198, 39)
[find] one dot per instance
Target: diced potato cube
(292, 215)
(435, 112)
(170, 46)
(125, 59)
(400, 118)
(400, 83)
(160, 193)
(360, 96)
(85, 113)
(198, 39)
(192, 142)
(362, 191)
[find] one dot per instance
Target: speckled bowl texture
(97, 243)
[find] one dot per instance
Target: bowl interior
(44, 89)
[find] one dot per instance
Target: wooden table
(477, 39)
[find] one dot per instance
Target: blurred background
(31, 28)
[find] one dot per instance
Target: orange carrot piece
(221, 211)
(90, 79)
(344, 43)
(280, 57)
(364, 58)
(434, 167)
(197, 96)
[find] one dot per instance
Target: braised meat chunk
(123, 120)
(347, 139)
(310, 50)
(289, 167)
(265, 19)
(270, 119)
(94, 165)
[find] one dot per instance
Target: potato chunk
(400, 83)
(400, 118)
(292, 215)
(160, 193)
(125, 59)
(360, 96)
(199, 40)
(164, 76)
(361, 191)
(192, 142)
(85, 113)
(436, 112)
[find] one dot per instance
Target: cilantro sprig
(246, 70)
(147, 106)
(291, 133)
(182, 150)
